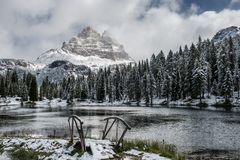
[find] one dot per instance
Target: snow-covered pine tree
(33, 91)
(116, 79)
(175, 76)
(130, 84)
(236, 77)
(225, 80)
(84, 89)
(151, 87)
(78, 88)
(111, 89)
(213, 63)
(208, 79)
(184, 81)
(23, 90)
(40, 94)
(160, 64)
(14, 86)
(2, 87)
(227, 86)
(166, 88)
(198, 80)
(137, 87)
(7, 82)
(145, 89)
(100, 93)
(190, 68)
(232, 55)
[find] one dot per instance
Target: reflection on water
(139, 121)
(206, 133)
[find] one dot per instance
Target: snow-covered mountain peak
(221, 35)
(107, 37)
(88, 48)
(88, 32)
(106, 34)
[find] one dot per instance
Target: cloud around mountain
(28, 29)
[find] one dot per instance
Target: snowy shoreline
(211, 103)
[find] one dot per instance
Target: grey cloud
(28, 29)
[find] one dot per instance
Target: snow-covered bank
(208, 103)
(51, 103)
(61, 149)
(211, 103)
(10, 101)
(15, 102)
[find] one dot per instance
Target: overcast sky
(30, 27)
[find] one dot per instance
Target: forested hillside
(195, 72)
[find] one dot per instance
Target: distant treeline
(25, 87)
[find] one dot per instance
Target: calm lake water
(196, 132)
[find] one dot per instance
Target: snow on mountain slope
(88, 48)
(59, 69)
(18, 64)
(221, 38)
(232, 31)
(90, 61)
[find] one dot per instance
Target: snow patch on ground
(145, 155)
(90, 103)
(9, 103)
(51, 103)
(57, 147)
(61, 150)
(4, 156)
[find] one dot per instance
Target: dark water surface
(196, 132)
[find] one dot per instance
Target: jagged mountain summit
(88, 48)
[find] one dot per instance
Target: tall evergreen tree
(225, 82)
(33, 92)
(84, 89)
(166, 88)
(100, 94)
(2, 87)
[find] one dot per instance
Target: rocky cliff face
(221, 35)
(91, 43)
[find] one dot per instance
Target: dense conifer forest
(196, 71)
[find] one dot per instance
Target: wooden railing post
(79, 125)
(107, 129)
